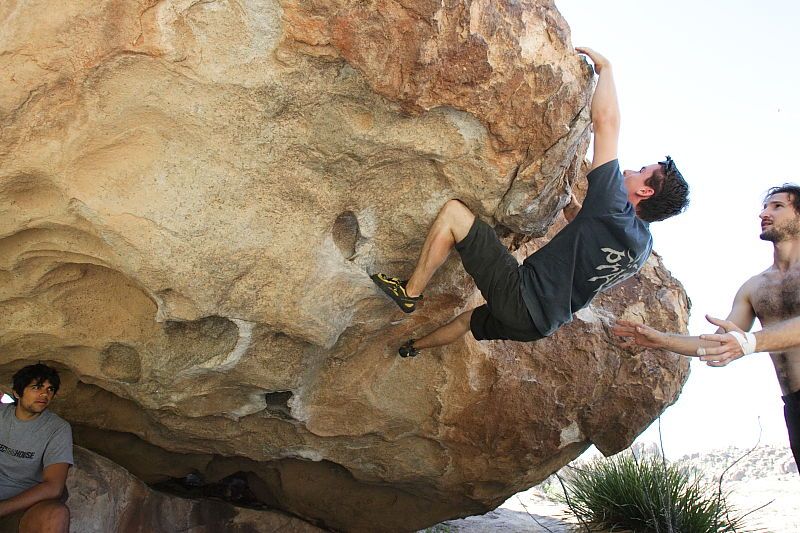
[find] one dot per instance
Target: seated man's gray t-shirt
(605, 244)
(28, 446)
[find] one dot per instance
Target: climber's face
(636, 183)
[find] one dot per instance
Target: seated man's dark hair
(789, 188)
(37, 373)
(671, 193)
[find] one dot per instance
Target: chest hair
(778, 296)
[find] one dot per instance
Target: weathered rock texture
(192, 196)
(104, 497)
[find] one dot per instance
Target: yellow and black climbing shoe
(408, 350)
(396, 290)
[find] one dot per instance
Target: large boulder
(192, 198)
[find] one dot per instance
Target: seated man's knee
(48, 515)
(60, 514)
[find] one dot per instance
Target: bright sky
(715, 85)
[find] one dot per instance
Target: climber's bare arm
(605, 110)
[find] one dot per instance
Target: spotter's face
(779, 220)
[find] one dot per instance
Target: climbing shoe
(408, 350)
(396, 290)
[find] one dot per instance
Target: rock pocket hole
(121, 362)
(345, 233)
(278, 403)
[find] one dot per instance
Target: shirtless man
(773, 296)
(607, 241)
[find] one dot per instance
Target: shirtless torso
(774, 298)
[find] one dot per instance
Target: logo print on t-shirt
(620, 266)
(16, 453)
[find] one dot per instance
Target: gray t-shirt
(605, 245)
(28, 446)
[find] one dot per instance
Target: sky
(714, 84)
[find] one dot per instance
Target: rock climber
(606, 241)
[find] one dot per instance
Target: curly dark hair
(671, 195)
(789, 188)
(38, 373)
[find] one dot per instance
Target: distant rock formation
(192, 196)
(738, 464)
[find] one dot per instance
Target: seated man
(606, 242)
(35, 455)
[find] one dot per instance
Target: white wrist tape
(747, 341)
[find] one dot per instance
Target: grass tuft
(647, 495)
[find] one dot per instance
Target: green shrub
(647, 495)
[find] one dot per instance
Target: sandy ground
(780, 516)
(526, 511)
(532, 511)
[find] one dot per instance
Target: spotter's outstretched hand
(729, 348)
(638, 334)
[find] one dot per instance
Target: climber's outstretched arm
(605, 110)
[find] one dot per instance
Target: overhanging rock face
(192, 197)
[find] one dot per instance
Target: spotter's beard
(776, 234)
